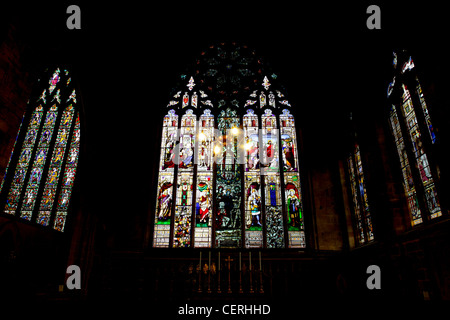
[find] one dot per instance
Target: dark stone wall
(15, 88)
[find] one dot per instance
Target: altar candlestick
(239, 261)
(260, 261)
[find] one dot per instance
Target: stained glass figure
(408, 182)
(288, 141)
(253, 211)
(187, 140)
(205, 141)
(273, 212)
(269, 154)
(228, 217)
(169, 144)
(24, 160)
(183, 210)
(70, 168)
(270, 171)
(204, 193)
(203, 210)
(294, 210)
(163, 210)
(292, 186)
(253, 205)
(251, 136)
(55, 167)
(169, 158)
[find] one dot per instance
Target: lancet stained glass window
(361, 208)
(204, 186)
(185, 187)
(40, 187)
(420, 155)
(252, 196)
(168, 158)
(228, 217)
(409, 118)
(229, 172)
(408, 182)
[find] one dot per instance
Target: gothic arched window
(409, 118)
(39, 178)
(229, 171)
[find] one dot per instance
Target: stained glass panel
(273, 213)
(270, 171)
(251, 136)
(53, 81)
(24, 160)
(203, 210)
(269, 155)
(363, 219)
(38, 164)
(363, 194)
(294, 210)
(228, 218)
(408, 182)
(420, 155)
(164, 199)
(253, 212)
(187, 141)
(183, 210)
(361, 237)
(164, 210)
(70, 168)
(51, 182)
(204, 185)
(252, 197)
(169, 142)
(183, 206)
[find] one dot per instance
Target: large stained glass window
(41, 185)
(409, 118)
(229, 170)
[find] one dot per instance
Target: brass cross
(229, 270)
